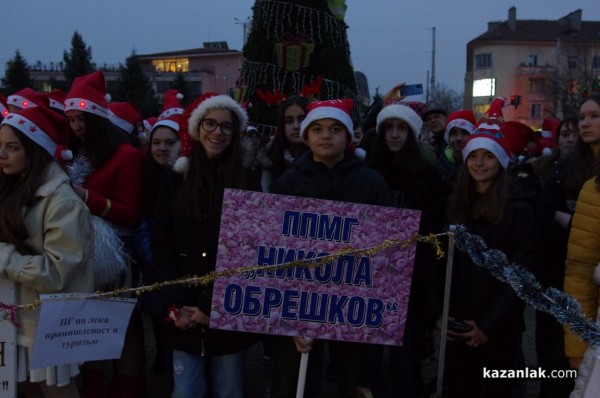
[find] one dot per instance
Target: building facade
(213, 67)
(544, 67)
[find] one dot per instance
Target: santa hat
(488, 135)
(402, 112)
(124, 115)
(43, 126)
(338, 109)
(57, 99)
(547, 142)
(519, 135)
(88, 94)
(194, 114)
(3, 107)
(27, 98)
(149, 123)
(171, 111)
(463, 119)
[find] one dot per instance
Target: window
(484, 88)
(480, 109)
(537, 85)
(483, 61)
(172, 65)
(596, 62)
(572, 62)
(536, 110)
(532, 60)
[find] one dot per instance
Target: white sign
(74, 328)
(8, 344)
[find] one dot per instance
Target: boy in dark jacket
(328, 171)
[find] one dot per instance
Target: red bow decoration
(173, 313)
(271, 98)
(313, 89)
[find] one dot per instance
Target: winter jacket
(347, 181)
(448, 166)
(115, 188)
(583, 254)
(60, 233)
(476, 294)
(183, 246)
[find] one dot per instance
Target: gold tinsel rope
(310, 263)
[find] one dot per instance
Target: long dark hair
(102, 139)
(275, 151)
(403, 169)
(18, 191)
(469, 205)
(206, 178)
(581, 163)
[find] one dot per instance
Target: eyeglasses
(210, 125)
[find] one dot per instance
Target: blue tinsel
(562, 306)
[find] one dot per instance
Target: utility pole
(432, 85)
(245, 27)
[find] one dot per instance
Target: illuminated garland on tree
(562, 306)
(289, 45)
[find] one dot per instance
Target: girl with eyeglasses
(185, 238)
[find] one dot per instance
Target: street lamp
(244, 26)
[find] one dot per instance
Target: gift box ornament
(294, 54)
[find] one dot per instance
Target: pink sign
(355, 298)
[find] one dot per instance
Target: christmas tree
(294, 48)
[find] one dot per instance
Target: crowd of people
(74, 167)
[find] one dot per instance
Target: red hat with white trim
(88, 94)
(57, 99)
(124, 115)
(548, 140)
(27, 98)
(463, 119)
(488, 135)
(3, 107)
(338, 109)
(42, 125)
(171, 110)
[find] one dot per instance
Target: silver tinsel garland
(562, 306)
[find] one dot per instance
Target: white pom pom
(181, 165)
(360, 153)
(546, 151)
(597, 274)
(107, 97)
(179, 96)
(143, 135)
(66, 154)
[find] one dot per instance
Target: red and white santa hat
(338, 109)
(488, 135)
(88, 94)
(463, 119)
(43, 126)
(149, 123)
(57, 99)
(402, 112)
(124, 115)
(190, 119)
(171, 111)
(548, 136)
(27, 98)
(3, 107)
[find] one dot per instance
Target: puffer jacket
(583, 254)
(61, 235)
(348, 181)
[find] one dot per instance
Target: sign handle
(445, 312)
(302, 375)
